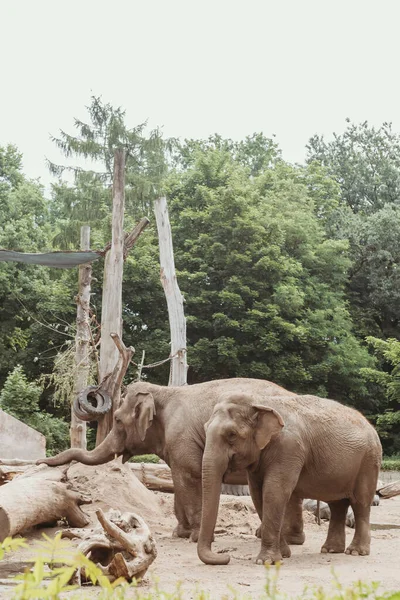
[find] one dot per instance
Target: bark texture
(82, 341)
(39, 497)
(122, 545)
(177, 321)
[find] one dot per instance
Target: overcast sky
(286, 67)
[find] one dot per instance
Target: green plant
(10, 545)
(20, 398)
(145, 458)
(391, 463)
(57, 562)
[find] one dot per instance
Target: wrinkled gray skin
(169, 422)
(292, 447)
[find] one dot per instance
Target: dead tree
(111, 315)
(177, 321)
(82, 341)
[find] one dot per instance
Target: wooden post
(177, 321)
(111, 314)
(82, 341)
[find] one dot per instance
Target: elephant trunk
(105, 452)
(215, 463)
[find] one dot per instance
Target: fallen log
(156, 477)
(122, 545)
(389, 490)
(39, 498)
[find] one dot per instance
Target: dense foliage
(289, 273)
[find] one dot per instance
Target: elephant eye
(231, 436)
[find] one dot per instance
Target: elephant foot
(181, 532)
(269, 557)
(194, 536)
(295, 538)
(285, 550)
(332, 547)
(358, 549)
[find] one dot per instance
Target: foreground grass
(56, 563)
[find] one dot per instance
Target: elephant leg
(360, 544)
(336, 539)
(255, 487)
(364, 493)
(293, 527)
(277, 490)
(182, 530)
(188, 492)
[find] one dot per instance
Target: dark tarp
(59, 260)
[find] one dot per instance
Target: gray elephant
(169, 422)
(292, 447)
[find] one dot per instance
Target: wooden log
(34, 499)
(82, 341)
(155, 477)
(111, 314)
(18, 462)
(177, 321)
(390, 490)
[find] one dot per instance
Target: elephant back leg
(361, 501)
(336, 538)
(293, 527)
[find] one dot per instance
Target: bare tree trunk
(111, 316)
(177, 321)
(82, 341)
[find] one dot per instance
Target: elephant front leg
(255, 486)
(274, 495)
(187, 505)
(182, 530)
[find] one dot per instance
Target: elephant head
(238, 430)
(127, 436)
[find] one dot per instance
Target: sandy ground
(307, 566)
(177, 559)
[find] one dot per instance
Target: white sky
(289, 67)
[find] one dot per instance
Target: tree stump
(121, 546)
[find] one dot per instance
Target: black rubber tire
(83, 416)
(104, 402)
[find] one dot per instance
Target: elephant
(169, 422)
(298, 446)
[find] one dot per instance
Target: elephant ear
(144, 412)
(268, 424)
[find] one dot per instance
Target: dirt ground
(177, 559)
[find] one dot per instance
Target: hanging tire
(103, 401)
(83, 416)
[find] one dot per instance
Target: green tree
(386, 379)
(365, 162)
(89, 199)
(34, 300)
(264, 287)
(20, 398)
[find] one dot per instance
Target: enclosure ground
(177, 559)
